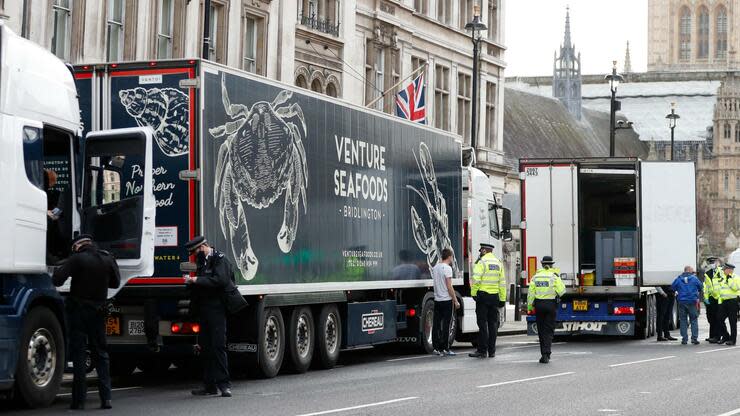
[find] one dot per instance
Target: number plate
(136, 327)
(580, 305)
(113, 325)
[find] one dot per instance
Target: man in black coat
(208, 287)
(93, 272)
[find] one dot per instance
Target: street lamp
(475, 27)
(613, 79)
(672, 123)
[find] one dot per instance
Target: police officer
(729, 291)
(488, 288)
(544, 289)
(93, 271)
(213, 276)
(711, 299)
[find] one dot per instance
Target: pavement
(587, 376)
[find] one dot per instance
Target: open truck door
(118, 205)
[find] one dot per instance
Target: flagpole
(397, 84)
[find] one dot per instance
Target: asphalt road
(593, 376)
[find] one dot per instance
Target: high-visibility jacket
(730, 287)
(712, 283)
(489, 277)
(545, 284)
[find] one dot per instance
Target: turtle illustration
(438, 238)
(165, 110)
(261, 158)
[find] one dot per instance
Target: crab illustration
(261, 158)
(438, 238)
(163, 109)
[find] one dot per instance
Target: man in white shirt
(444, 299)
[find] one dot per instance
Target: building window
(702, 47)
(727, 131)
(115, 30)
(62, 37)
(492, 22)
(466, 12)
(301, 82)
(491, 113)
(374, 73)
(444, 11)
(164, 29)
(737, 184)
(322, 15)
(421, 6)
(464, 100)
(685, 35)
(737, 132)
(254, 39)
(316, 86)
(217, 28)
(441, 97)
(331, 90)
(727, 182)
(720, 50)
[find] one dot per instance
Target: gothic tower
(627, 60)
(566, 74)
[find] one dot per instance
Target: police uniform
(214, 276)
(488, 287)
(93, 272)
(544, 289)
(711, 300)
(729, 291)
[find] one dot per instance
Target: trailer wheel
(653, 310)
(40, 359)
(301, 338)
(271, 343)
(427, 321)
(328, 336)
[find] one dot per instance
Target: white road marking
(95, 391)
(529, 346)
(362, 406)
(412, 358)
(731, 412)
(525, 380)
(643, 361)
(718, 349)
(607, 410)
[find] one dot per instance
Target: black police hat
(82, 238)
(729, 266)
(547, 260)
(196, 242)
(486, 245)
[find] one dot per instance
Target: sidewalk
(512, 327)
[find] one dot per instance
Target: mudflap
(370, 323)
(614, 328)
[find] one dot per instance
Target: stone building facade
(566, 74)
(693, 34)
(350, 49)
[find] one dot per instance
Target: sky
(600, 30)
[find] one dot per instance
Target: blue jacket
(688, 288)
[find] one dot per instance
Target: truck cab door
(118, 205)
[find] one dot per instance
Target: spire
(627, 61)
(566, 41)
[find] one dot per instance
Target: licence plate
(136, 327)
(113, 325)
(580, 305)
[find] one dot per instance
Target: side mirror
(506, 235)
(506, 221)
(188, 267)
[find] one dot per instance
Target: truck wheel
(653, 313)
(328, 336)
(301, 338)
(40, 359)
(427, 320)
(453, 329)
(271, 343)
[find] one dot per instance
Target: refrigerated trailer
(332, 215)
(617, 228)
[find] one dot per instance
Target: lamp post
(475, 27)
(672, 117)
(613, 79)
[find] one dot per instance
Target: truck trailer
(617, 228)
(332, 215)
(41, 134)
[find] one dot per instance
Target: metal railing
(322, 25)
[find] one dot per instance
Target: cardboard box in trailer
(616, 227)
(332, 214)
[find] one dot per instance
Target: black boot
(204, 392)
(478, 354)
(544, 359)
(105, 404)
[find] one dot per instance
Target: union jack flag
(410, 101)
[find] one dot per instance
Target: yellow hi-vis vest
(545, 284)
(488, 276)
(712, 284)
(730, 287)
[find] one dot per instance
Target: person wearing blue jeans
(688, 290)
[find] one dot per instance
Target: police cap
(729, 266)
(487, 246)
(82, 238)
(547, 260)
(196, 242)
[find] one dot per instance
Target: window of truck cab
(493, 220)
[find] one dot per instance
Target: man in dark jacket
(93, 272)
(664, 306)
(208, 286)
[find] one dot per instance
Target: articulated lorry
(331, 214)
(617, 228)
(53, 189)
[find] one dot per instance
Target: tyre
(301, 339)
(328, 337)
(653, 309)
(40, 359)
(453, 329)
(425, 324)
(271, 343)
(121, 366)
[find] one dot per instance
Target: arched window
(702, 41)
(331, 90)
(316, 86)
(737, 132)
(720, 33)
(685, 35)
(300, 81)
(727, 130)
